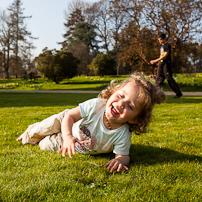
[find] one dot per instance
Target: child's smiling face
(123, 106)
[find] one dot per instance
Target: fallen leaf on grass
(191, 128)
(93, 163)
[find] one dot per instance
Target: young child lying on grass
(100, 125)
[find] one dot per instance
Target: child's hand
(68, 146)
(117, 164)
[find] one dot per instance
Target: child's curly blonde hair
(147, 94)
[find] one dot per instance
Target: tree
(180, 20)
(81, 51)
(100, 17)
(80, 37)
(84, 32)
(79, 31)
(6, 41)
(81, 5)
(73, 18)
(19, 30)
(103, 64)
(138, 47)
(1, 64)
(15, 70)
(56, 65)
(200, 58)
(118, 20)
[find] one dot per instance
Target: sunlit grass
(166, 162)
(186, 82)
(76, 83)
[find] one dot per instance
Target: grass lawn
(77, 83)
(166, 162)
(186, 82)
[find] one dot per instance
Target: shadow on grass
(189, 87)
(97, 88)
(65, 99)
(43, 99)
(149, 155)
(86, 82)
(184, 99)
(141, 154)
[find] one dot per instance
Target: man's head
(162, 38)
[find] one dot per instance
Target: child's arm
(66, 128)
(119, 162)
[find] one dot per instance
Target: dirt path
(81, 91)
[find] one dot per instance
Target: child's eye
(131, 106)
(120, 96)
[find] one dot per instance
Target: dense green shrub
(103, 64)
(56, 65)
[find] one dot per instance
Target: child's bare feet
(19, 138)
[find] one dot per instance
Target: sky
(47, 22)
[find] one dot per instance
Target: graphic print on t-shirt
(161, 52)
(89, 142)
(85, 136)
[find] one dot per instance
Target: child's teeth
(114, 110)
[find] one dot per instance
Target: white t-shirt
(98, 139)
